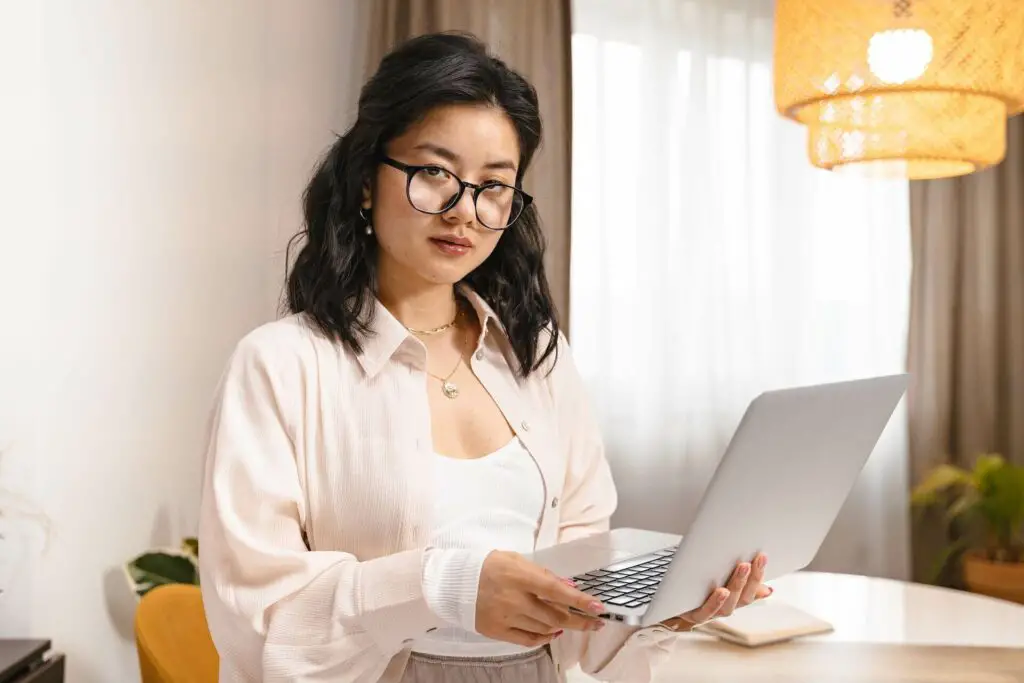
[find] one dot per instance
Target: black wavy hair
(333, 280)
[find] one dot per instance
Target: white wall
(151, 160)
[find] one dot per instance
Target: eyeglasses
(434, 190)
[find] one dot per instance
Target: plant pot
(1003, 580)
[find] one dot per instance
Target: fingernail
(743, 570)
(761, 562)
(723, 594)
(597, 626)
(770, 591)
(558, 633)
(569, 582)
(595, 607)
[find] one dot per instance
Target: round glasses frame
(411, 170)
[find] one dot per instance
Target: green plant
(983, 508)
(163, 566)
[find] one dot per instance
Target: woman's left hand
(743, 588)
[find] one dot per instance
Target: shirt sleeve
(617, 652)
(276, 609)
(451, 584)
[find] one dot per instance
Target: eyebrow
(448, 155)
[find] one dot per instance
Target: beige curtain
(533, 37)
(966, 345)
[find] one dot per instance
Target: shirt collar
(388, 335)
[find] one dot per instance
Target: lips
(454, 239)
(452, 246)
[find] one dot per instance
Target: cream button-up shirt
(316, 504)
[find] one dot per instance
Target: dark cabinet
(30, 661)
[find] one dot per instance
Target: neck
(418, 306)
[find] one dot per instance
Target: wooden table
(885, 632)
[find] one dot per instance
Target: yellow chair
(172, 637)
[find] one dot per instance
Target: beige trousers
(531, 667)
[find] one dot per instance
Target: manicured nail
(595, 607)
(743, 570)
(770, 591)
(569, 582)
(761, 562)
(558, 633)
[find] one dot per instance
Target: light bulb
(899, 56)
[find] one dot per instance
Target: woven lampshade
(912, 88)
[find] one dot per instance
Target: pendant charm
(450, 390)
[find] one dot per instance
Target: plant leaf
(950, 554)
(1002, 502)
(984, 466)
(964, 504)
(941, 479)
(157, 568)
(190, 546)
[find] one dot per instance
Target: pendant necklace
(448, 388)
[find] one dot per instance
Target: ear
(367, 195)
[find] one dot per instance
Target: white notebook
(765, 622)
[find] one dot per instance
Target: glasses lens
(431, 190)
(498, 206)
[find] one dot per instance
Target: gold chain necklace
(440, 329)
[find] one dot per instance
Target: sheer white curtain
(710, 261)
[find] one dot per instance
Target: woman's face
(476, 143)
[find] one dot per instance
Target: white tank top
(493, 502)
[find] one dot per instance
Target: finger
(560, 617)
(754, 584)
(710, 608)
(550, 588)
(764, 591)
(737, 584)
(525, 638)
(524, 622)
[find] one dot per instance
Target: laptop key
(621, 600)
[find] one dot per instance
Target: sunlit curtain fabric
(711, 261)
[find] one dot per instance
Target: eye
(437, 172)
(495, 187)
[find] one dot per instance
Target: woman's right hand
(520, 602)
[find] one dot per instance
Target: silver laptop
(790, 466)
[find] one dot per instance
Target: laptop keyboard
(630, 583)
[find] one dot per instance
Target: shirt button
(525, 426)
(480, 354)
(554, 503)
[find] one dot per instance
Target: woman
(380, 460)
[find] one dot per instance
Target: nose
(464, 211)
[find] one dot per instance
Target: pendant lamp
(907, 88)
